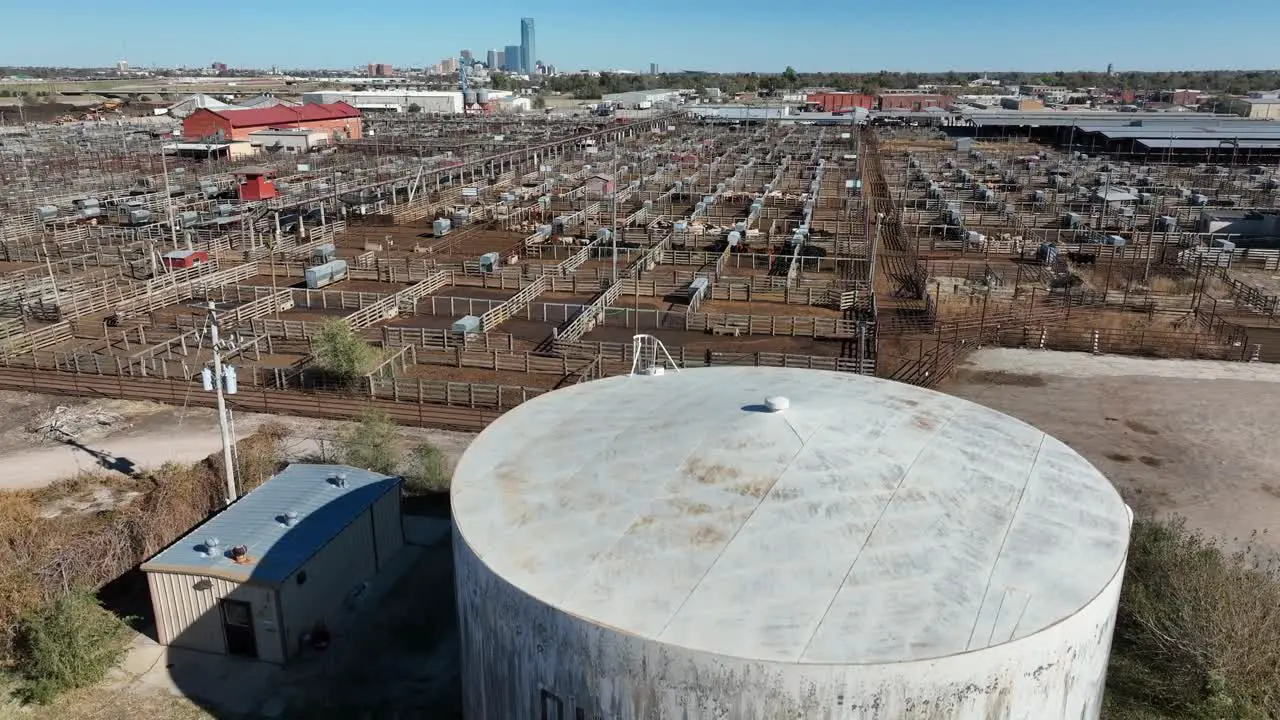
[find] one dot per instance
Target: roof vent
(289, 519)
(209, 548)
(339, 480)
(777, 403)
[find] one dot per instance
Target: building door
(237, 624)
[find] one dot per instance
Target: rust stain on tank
(685, 507)
(756, 489)
(713, 474)
(924, 422)
(642, 523)
(786, 494)
(709, 535)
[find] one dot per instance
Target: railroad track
(249, 399)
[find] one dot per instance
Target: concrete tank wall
(519, 653)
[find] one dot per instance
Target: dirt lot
(1176, 437)
(1267, 281)
(479, 375)
(44, 439)
(736, 307)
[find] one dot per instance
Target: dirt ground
(1188, 438)
(1267, 281)
(41, 444)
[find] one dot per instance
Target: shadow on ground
(393, 654)
(105, 460)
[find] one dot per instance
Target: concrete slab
(425, 531)
(1075, 364)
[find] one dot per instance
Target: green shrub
(372, 444)
(67, 643)
(342, 354)
(428, 470)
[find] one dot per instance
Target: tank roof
(867, 521)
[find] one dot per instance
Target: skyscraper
(528, 53)
(466, 55)
(653, 68)
(491, 60)
(512, 59)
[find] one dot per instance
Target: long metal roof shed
(1207, 144)
(1050, 118)
(1227, 133)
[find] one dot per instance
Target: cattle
(1082, 258)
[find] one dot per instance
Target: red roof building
(336, 118)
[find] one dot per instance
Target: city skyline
(749, 36)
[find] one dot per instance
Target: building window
(552, 708)
(580, 714)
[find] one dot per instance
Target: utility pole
(1151, 239)
(871, 272)
(214, 380)
(168, 197)
(613, 222)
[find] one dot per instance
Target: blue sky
(742, 35)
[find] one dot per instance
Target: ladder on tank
(645, 357)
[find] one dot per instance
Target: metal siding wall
(345, 562)
(388, 528)
(190, 618)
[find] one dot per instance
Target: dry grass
(1119, 321)
(1197, 635)
(43, 555)
(1162, 280)
(107, 704)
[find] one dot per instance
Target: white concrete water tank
(749, 543)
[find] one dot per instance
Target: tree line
(1235, 82)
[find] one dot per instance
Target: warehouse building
(639, 98)
(337, 119)
(427, 101)
(265, 100)
(837, 101)
(1265, 108)
(1022, 104)
(294, 140)
(910, 100)
(260, 577)
(188, 105)
(743, 543)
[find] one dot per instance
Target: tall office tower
(513, 59)
(491, 59)
(653, 68)
(528, 53)
(466, 55)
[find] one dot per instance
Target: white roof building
(428, 101)
(264, 101)
(190, 104)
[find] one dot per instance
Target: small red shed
(179, 259)
(255, 183)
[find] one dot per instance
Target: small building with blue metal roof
(259, 577)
